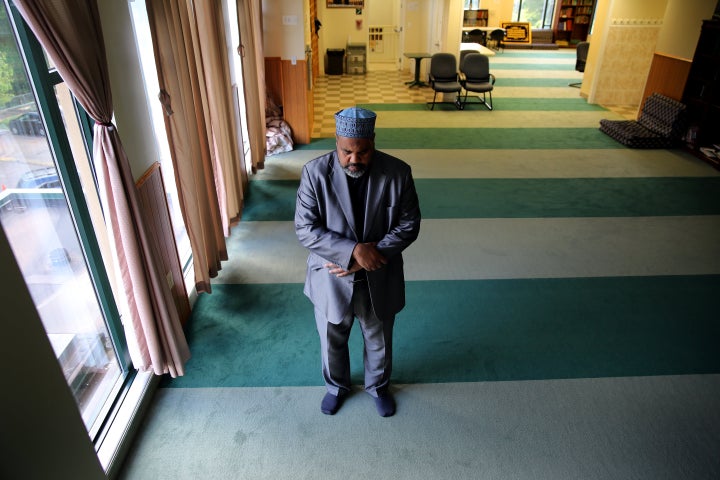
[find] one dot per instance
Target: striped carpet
(561, 321)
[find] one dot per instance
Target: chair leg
(461, 101)
(433, 103)
(576, 85)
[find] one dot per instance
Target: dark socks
(385, 404)
(331, 403)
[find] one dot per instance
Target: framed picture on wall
(346, 3)
(517, 32)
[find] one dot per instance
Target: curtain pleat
(194, 136)
(253, 60)
(71, 34)
(219, 110)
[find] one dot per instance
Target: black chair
(582, 53)
(444, 77)
(475, 77)
(463, 53)
(476, 36)
(497, 37)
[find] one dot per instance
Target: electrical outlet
(290, 19)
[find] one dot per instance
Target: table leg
(417, 75)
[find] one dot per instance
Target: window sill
(126, 422)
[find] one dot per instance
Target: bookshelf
(475, 18)
(702, 96)
(572, 21)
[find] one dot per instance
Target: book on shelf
(565, 25)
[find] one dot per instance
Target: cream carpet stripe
(499, 72)
(662, 427)
(571, 163)
(469, 249)
(516, 163)
(564, 247)
(499, 60)
(496, 119)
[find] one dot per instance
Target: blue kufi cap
(355, 122)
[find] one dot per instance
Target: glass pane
(537, 12)
(35, 216)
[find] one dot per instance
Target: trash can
(335, 61)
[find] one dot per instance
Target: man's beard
(359, 172)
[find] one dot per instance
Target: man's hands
(365, 256)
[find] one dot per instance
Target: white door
(384, 43)
(438, 26)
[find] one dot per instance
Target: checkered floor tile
(335, 92)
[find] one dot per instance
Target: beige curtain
(195, 91)
(70, 32)
(232, 179)
(253, 62)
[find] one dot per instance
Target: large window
(538, 13)
(51, 214)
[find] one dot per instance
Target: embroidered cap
(355, 122)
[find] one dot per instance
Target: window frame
(43, 81)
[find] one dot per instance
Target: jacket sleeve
(311, 225)
(403, 218)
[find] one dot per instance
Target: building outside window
(51, 215)
(538, 13)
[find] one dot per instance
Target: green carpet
(449, 138)
(468, 331)
(534, 82)
(508, 104)
(524, 198)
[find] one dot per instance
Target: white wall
(284, 29)
(132, 115)
(339, 27)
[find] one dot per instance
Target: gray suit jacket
(324, 223)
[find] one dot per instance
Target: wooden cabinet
(475, 18)
(702, 95)
(572, 21)
(288, 83)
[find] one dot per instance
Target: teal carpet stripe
(508, 104)
(469, 331)
(524, 198)
(481, 138)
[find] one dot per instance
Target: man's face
(355, 154)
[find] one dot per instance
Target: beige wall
(498, 11)
(627, 34)
(681, 28)
(286, 41)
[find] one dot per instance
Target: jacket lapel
(376, 191)
(342, 192)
